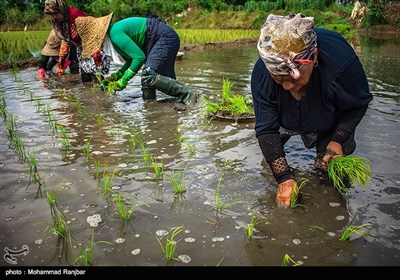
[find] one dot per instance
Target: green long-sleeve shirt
(128, 36)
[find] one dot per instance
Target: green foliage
(178, 181)
(170, 244)
(231, 105)
(349, 168)
(343, 28)
(287, 260)
(220, 204)
(251, 226)
(375, 16)
(295, 198)
(352, 229)
(16, 14)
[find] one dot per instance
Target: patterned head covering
(52, 7)
(286, 43)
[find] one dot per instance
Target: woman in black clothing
(308, 82)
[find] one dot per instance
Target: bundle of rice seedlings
(351, 169)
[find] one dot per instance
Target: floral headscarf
(287, 42)
(61, 29)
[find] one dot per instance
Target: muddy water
(212, 155)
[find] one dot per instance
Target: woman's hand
(284, 193)
(333, 150)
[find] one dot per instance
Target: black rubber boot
(74, 67)
(149, 93)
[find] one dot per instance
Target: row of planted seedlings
(125, 209)
(58, 225)
(18, 146)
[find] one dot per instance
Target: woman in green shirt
(139, 41)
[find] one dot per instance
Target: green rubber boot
(173, 88)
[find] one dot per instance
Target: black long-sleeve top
(337, 97)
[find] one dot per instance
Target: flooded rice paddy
(117, 139)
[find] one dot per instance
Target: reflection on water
(221, 161)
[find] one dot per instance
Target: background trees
(21, 14)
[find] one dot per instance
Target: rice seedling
(99, 120)
(30, 93)
(70, 97)
(93, 89)
(315, 226)
(78, 105)
(38, 104)
(111, 88)
(227, 166)
(295, 198)
(85, 257)
(146, 156)
(10, 126)
(251, 226)
(3, 109)
(190, 148)
(231, 106)
(352, 229)
(179, 135)
(65, 138)
(14, 72)
(350, 169)
(59, 227)
(107, 182)
(220, 204)
(158, 168)
(33, 173)
(125, 211)
(287, 260)
(64, 245)
(87, 150)
(170, 244)
(52, 120)
(178, 181)
(113, 133)
(47, 111)
(133, 140)
(97, 168)
(52, 199)
(19, 147)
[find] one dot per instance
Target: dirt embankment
(392, 13)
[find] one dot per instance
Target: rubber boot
(151, 79)
(148, 93)
(74, 67)
(173, 88)
(86, 77)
